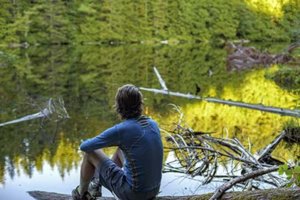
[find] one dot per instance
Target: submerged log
(280, 193)
(260, 107)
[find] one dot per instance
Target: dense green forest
(65, 22)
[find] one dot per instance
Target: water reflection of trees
(87, 78)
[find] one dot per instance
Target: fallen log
(279, 193)
(260, 107)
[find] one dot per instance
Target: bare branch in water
(54, 107)
(281, 111)
(266, 152)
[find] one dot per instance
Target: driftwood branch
(219, 192)
(269, 149)
(276, 110)
(54, 106)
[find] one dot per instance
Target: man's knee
(96, 157)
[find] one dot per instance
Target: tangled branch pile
(200, 154)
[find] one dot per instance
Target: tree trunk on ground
(270, 194)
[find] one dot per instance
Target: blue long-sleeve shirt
(140, 141)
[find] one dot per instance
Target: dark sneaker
(85, 196)
(95, 188)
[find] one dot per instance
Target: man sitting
(139, 145)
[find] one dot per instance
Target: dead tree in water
(240, 57)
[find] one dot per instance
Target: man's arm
(110, 137)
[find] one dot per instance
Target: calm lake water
(43, 154)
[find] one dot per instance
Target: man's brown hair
(129, 102)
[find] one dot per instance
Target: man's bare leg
(118, 158)
(93, 159)
(90, 161)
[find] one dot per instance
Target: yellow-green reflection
(87, 78)
(270, 7)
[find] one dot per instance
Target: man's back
(141, 143)
(142, 146)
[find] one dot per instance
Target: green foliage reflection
(87, 78)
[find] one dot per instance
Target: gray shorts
(113, 178)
